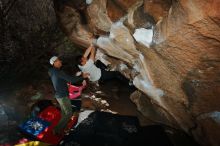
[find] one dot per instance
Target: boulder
(179, 71)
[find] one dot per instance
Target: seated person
(97, 72)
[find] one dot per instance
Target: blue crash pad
(34, 126)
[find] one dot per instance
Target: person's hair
(78, 59)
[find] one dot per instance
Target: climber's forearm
(87, 52)
(92, 55)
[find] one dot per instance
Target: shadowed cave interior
(168, 49)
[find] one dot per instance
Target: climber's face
(57, 63)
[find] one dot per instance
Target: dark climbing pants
(110, 75)
(66, 113)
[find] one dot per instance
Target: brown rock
(157, 8)
(137, 18)
(114, 11)
(152, 112)
(180, 73)
(70, 20)
(126, 4)
(99, 21)
(207, 131)
(188, 43)
(143, 20)
(87, 103)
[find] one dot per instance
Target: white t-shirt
(89, 67)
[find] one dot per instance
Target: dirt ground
(113, 96)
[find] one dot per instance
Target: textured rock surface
(98, 16)
(157, 8)
(28, 33)
(178, 75)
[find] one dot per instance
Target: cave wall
(178, 72)
(189, 44)
(30, 34)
